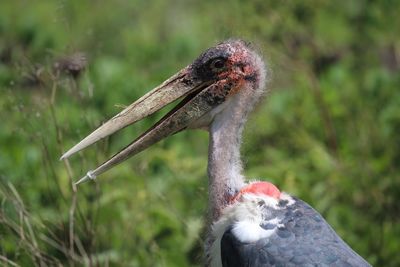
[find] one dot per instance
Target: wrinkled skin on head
(230, 64)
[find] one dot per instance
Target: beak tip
(89, 176)
(65, 155)
(73, 150)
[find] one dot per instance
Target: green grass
(327, 132)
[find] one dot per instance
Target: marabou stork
(251, 223)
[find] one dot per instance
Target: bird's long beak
(192, 107)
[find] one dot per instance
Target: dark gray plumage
(302, 238)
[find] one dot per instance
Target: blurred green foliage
(327, 132)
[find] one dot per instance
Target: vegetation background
(328, 131)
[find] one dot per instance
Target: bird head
(206, 86)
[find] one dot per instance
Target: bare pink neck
(224, 163)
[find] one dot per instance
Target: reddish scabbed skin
(259, 188)
(239, 69)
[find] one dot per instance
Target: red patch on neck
(259, 188)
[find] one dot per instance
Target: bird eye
(217, 64)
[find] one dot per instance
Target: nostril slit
(242, 68)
